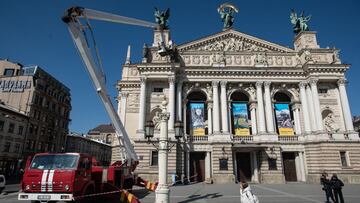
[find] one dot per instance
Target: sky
(32, 33)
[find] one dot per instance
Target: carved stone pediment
(232, 41)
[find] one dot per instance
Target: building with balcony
(46, 101)
(252, 109)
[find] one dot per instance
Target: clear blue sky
(32, 33)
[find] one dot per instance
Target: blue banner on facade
(283, 119)
(241, 122)
(197, 119)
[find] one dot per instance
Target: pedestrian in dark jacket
(325, 182)
(337, 185)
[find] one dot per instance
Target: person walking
(246, 195)
(325, 182)
(337, 185)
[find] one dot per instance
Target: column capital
(295, 106)
(259, 84)
(223, 83)
(143, 79)
(342, 81)
(172, 79)
(313, 81)
(267, 84)
(124, 94)
(252, 106)
(215, 83)
(209, 105)
(303, 84)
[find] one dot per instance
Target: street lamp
(149, 130)
(179, 130)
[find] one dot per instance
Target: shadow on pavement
(198, 197)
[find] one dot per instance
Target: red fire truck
(71, 176)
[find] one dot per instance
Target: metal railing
(290, 138)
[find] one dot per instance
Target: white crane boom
(71, 18)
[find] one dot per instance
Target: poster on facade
(241, 122)
(197, 122)
(283, 119)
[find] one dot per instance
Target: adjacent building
(106, 134)
(356, 121)
(252, 109)
(13, 126)
(83, 144)
(43, 99)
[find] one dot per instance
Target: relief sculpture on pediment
(231, 44)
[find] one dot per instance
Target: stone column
(210, 119)
(295, 109)
(345, 105)
(253, 118)
(216, 113)
(260, 107)
(268, 108)
(172, 102)
(297, 166)
(315, 94)
(313, 121)
(179, 100)
(142, 106)
(208, 167)
(162, 192)
(305, 109)
(302, 166)
(124, 96)
(224, 109)
(255, 176)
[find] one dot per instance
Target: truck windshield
(50, 162)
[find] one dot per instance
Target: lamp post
(162, 192)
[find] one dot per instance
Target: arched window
(108, 139)
(240, 114)
(283, 114)
(196, 114)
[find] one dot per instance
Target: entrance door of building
(197, 166)
(289, 166)
(243, 165)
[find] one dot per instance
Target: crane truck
(73, 176)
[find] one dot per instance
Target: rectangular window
(11, 128)
(223, 164)
(9, 72)
(344, 159)
(154, 158)
(158, 89)
(7, 146)
(272, 164)
(17, 147)
(2, 123)
(20, 130)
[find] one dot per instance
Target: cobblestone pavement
(226, 193)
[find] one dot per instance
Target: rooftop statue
(299, 23)
(161, 17)
(226, 12)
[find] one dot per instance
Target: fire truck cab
(68, 176)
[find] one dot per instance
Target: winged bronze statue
(161, 18)
(299, 23)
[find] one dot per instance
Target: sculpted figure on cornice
(261, 59)
(231, 44)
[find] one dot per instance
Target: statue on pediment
(162, 17)
(226, 12)
(299, 23)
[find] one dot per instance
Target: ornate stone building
(295, 121)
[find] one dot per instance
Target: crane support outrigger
(77, 32)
